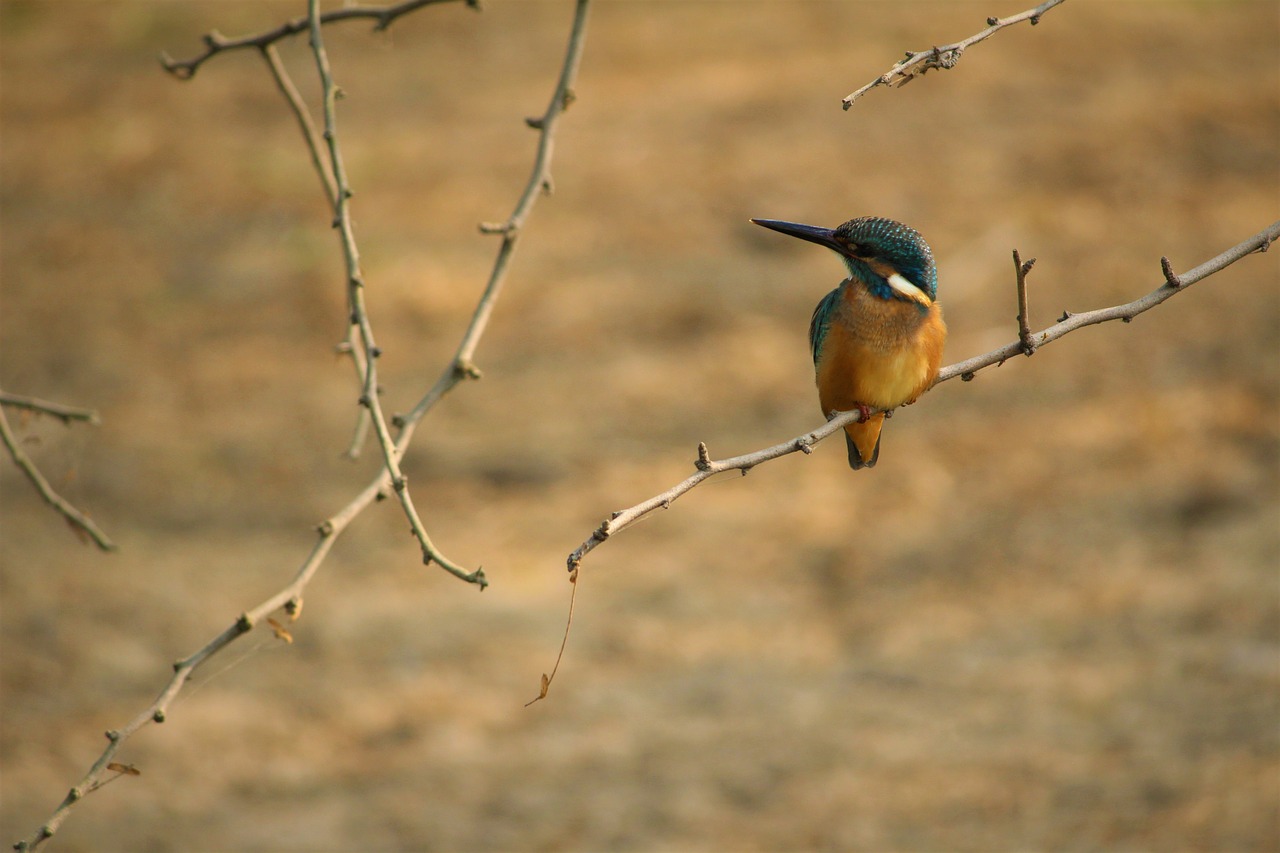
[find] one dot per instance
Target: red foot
(864, 412)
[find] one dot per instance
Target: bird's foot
(864, 412)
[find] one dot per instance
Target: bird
(877, 338)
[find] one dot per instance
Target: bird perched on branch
(877, 338)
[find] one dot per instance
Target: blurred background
(1048, 619)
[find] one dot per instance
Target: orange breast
(879, 352)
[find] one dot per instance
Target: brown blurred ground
(1049, 619)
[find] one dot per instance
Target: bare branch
(917, 63)
(463, 366)
(360, 314)
(77, 519)
(66, 414)
(1024, 318)
(1070, 322)
(315, 146)
(361, 432)
(303, 116)
(707, 467)
(216, 43)
(290, 597)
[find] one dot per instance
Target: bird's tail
(863, 440)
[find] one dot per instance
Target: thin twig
(303, 116)
(707, 467)
(315, 145)
(290, 597)
(66, 414)
(917, 63)
(360, 314)
(547, 678)
(77, 519)
(216, 43)
(463, 365)
(360, 434)
(1024, 318)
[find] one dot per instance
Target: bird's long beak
(812, 233)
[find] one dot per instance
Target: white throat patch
(899, 283)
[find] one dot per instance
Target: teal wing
(822, 317)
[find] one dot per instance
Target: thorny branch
(77, 519)
(917, 63)
(707, 467)
(461, 367)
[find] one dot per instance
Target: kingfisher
(877, 338)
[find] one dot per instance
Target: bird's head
(891, 259)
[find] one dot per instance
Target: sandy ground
(1048, 620)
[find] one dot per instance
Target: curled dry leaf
(280, 631)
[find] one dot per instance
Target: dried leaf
(280, 631)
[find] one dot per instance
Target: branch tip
(464, 368)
